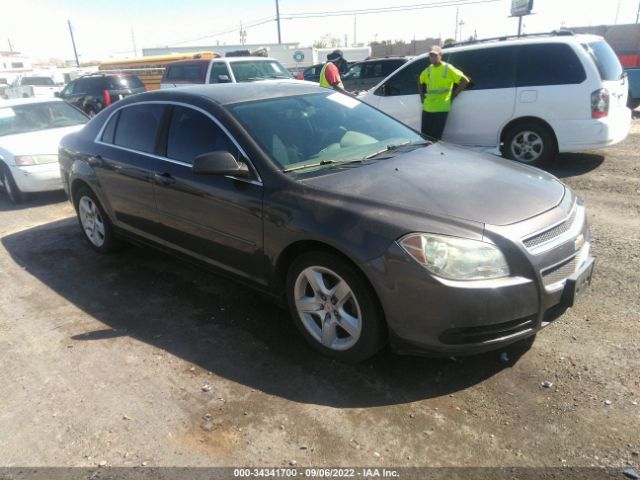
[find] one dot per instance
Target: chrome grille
(554, 232)
(560, 272)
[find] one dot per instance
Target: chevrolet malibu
(368, 232)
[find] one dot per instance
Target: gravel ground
(139, 359)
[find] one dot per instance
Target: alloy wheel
(91, 220)
(527, 146)
(328, 308)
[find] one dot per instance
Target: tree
(327, 41)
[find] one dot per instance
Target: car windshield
(38, 116)
(320, 129)
(250, 70)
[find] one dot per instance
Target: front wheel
(14, 194)
(529, 143)
(95, 224)
(334, 308)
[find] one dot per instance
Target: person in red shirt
(330, 74)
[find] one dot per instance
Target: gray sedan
(368, 232)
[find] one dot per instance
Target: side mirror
(219, 163)
(224, 79)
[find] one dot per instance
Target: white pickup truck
(38, 86)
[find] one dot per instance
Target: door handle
(164, 179)
(95, 161)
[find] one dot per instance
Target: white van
(530, 96)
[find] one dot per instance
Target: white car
(531, 97)
(30, 131)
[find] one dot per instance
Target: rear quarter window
(548, 64)
(605, 59)
(189, 72)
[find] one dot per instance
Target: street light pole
(278, 20)
(73, 42)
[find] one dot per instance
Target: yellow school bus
(149, 69)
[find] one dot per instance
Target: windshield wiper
(395, 146)
(321, 163)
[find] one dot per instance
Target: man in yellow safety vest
(435, 86)
(330, 73)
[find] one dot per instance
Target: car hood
(40, 142)
(445, 180)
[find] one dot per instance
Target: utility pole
(278, 21)
(133, 39)
(11, 46)
(243, 35)
(638, 14)
(455, 35)
(73, 42)
(617, 13)
(354, 30)
(519, 25)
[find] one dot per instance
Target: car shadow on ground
(567, 165)
(223, 327)
(32, 200)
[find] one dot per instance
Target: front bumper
(426, 314)
(37, 178)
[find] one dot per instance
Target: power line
(399, 8)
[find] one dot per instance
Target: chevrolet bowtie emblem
(579, 242)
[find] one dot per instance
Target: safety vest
(323, 79)
(438, 87)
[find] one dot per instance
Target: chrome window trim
(256, 181)
(575, 228)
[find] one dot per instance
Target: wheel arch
(537, 120)
(293, 251)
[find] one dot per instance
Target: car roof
(534, 39)
(27, 101)
(229, 93)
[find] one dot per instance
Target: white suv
(532, 97)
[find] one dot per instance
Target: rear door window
(138, 126)
(606, 60)
(405, 81)
(548, 64)
(487, 68)
(191, 133)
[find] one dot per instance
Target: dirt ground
(104, 360)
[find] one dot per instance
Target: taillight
(107, 98)
(600, 103)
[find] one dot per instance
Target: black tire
(14, 194)
(341, 318)
(94, 222)
(529, 143)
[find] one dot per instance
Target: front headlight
(22, 160)
(455, 258)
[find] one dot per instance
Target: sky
(113, 28)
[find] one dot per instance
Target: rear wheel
(11, 189)
(334, 308)
(529, 143)
(94, 222)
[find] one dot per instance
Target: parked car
(222, 70)
(367, 74)
(91, 93)
(366, 230)
(576, 102)
(28, 86)
(30, 130)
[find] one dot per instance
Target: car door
(124, 165)
(73, 93)
(480, 112)
(217, 218)
(398, 95)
